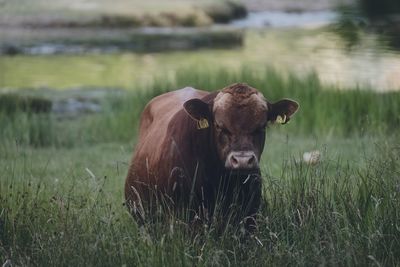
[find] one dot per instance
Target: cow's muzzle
(238, 160)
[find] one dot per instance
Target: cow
(201, 150)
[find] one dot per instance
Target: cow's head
(237, 118)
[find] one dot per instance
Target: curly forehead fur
(239, 94)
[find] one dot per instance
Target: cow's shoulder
(178, 96)
(158, 114)
(169, 103)
(187, 93)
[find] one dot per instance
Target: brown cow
(197, 149)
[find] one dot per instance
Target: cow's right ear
(199, 111)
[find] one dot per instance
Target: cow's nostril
(234, 161)
(251, 160)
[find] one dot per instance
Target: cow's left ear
(199, 111)
(281, 111)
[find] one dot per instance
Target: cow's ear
(199, 111)
(281, 111)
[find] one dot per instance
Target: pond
(278, 19)
(297, 43)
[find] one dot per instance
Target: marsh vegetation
(61, 184)
(62, 169)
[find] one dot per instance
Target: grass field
(299, 51)
(61, 201)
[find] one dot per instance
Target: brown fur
(188, 167)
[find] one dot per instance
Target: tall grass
(323, 110)
(61, 200)
(327, 214)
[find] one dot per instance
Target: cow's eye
(223, 130)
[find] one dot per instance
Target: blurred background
(124, 43)
(69, 58)
(66, 59)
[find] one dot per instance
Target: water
(80, 41)
(290, 42)
(370, 63)
(280, 19)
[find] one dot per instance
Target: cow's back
(149, 153)
(157, 115)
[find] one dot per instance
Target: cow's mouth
(244, 176)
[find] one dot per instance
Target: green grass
(324, 110)
(61, 184)
(299, 51)
(55, 213)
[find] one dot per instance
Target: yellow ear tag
(202, 124)
(280, 119)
